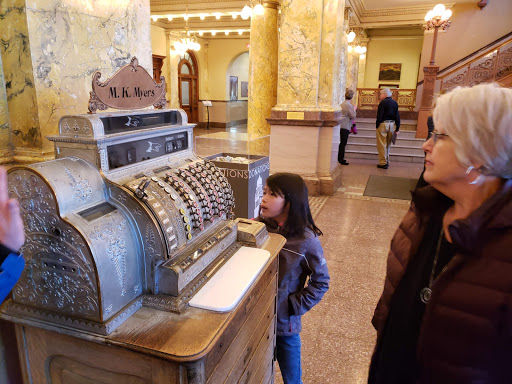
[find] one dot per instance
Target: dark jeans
(288, 357)
(343, 142)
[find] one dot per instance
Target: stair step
(369, 139)
(395, 149)
(370, 131)
(392, 158)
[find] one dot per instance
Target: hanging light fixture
(351, 36)
(188, 43)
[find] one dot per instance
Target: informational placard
(131, 87)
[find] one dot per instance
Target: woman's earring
(478, 178)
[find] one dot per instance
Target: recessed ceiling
(386, 4)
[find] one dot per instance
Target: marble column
(50, 51)
(311, 83)
(174, 60)
(262, 71)
(352, 70)
(360, 74)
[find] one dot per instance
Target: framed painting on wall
(233, 88)
(390, 72)
(244, 89)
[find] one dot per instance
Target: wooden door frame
(194, 80)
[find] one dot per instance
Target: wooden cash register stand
(152, 346)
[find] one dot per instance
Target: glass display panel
(116, 124)
(133, 152)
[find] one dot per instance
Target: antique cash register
(130, 240)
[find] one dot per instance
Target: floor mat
(390, 187)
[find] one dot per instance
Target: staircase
(364, 146)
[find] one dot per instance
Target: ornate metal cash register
(124, 228)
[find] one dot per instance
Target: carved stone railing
(368, 98)
(494, 65)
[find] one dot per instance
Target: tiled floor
(337, 336)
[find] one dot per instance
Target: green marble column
(50, 51)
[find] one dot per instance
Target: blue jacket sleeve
(10, 271)
(306, 298)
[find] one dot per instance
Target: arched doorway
(188, 86)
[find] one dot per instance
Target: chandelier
(188, 43)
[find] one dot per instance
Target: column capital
(271, 4)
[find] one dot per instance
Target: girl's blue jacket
(302, 257)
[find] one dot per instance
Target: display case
(243, 159)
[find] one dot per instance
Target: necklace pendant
(425, 295)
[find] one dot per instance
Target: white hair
(479, 121)
(386, 91)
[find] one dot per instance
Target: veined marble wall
(299, 53)
(51, 50)
(352, 71)
(18, 74)
(5, 134)
(333, 59)
(311, 55)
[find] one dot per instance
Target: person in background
(12, 238)
(445, 315)
(348, 114)
(388, 121)
(303, 274)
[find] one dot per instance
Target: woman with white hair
(445, 315)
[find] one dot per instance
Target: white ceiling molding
(386, 17)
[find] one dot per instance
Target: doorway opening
(188, 87)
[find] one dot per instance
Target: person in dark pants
(388, 121)
(348, 114)
(12, 238)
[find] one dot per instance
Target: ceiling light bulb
(258, 9)
(350, 48)
(185, 17)
(363, 50)
(439, 9)
(446, 14)
(351, 36)
(235, 15)
(213, 33)
(200, 33)
(217, 16)
(169, 18)
(246, 12)
(155, 18)
(226, 33)
(362, 56)
(202, 16)
(240, 31)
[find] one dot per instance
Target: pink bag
(353, 129)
